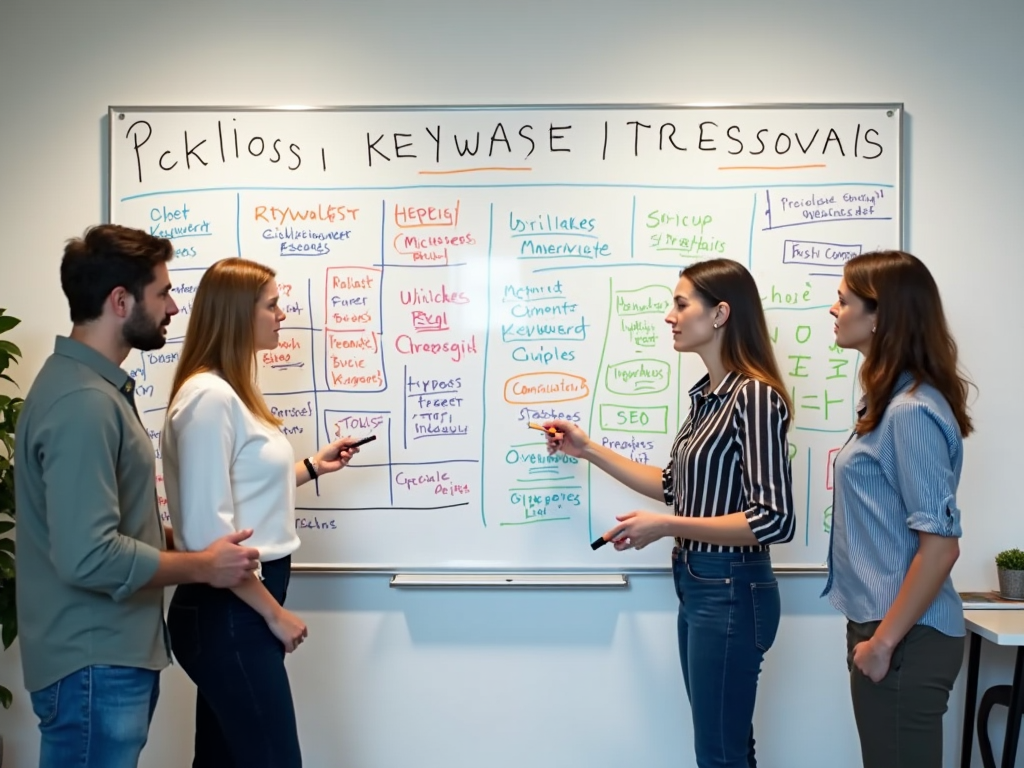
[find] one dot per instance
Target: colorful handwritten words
(295, 419)
(355, 360)
(638, 377)
(546, 503)
(541, 313)
(160, 363)
(540, 493)
(817, 254)
(455, 350)
(176, 223)
(793, 207)
(428, 248)
(301, 230)
(455, 482)
(184, 284)
(435, 407)
(541, 413)
(290, 353)
(428, 306)
(820, 374)
(630, 305)
(689, 234)
(340, 424)
(291, 302)
(320, 522)
(546, 387)
(638, 450)
(552, 235)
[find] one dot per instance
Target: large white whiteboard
(453, 273)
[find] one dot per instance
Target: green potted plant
(9, 409)
(1010, 564)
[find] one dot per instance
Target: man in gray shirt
(92, 554)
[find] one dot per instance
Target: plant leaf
(8, 632)
(6, 697)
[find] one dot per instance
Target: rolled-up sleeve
(925, 448)
(83, 514)
(762, 418)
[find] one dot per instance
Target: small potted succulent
(1010, 565)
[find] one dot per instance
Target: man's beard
(142, 332)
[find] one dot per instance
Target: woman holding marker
(227, 467)
(729, 483)
(895, 521)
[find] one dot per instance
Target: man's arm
(80, 441)
(223, 564)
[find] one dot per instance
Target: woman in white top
(228, 467)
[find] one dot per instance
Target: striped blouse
(897, 480)
(732, 455)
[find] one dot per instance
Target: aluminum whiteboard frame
(509, 581)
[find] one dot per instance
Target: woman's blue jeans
(245, 717)
(729, 613)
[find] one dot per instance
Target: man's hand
(227, 563)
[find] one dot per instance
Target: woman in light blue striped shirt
(895, 521)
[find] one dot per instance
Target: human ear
(121, 302)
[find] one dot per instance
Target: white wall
(393, 679)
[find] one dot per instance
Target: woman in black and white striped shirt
(730, 484)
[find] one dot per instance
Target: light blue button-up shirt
(890, 484)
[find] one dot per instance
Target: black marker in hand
(357, 443)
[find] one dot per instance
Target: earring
(715, 325)
(873, 329)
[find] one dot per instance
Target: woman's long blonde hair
(220, 336)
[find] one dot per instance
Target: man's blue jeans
(97, 717)
(729, 612)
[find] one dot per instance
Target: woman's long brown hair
(220, 335)
(746, 346)
(911, 334)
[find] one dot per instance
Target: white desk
(1001, 627)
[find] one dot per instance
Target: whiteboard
(451, 274)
